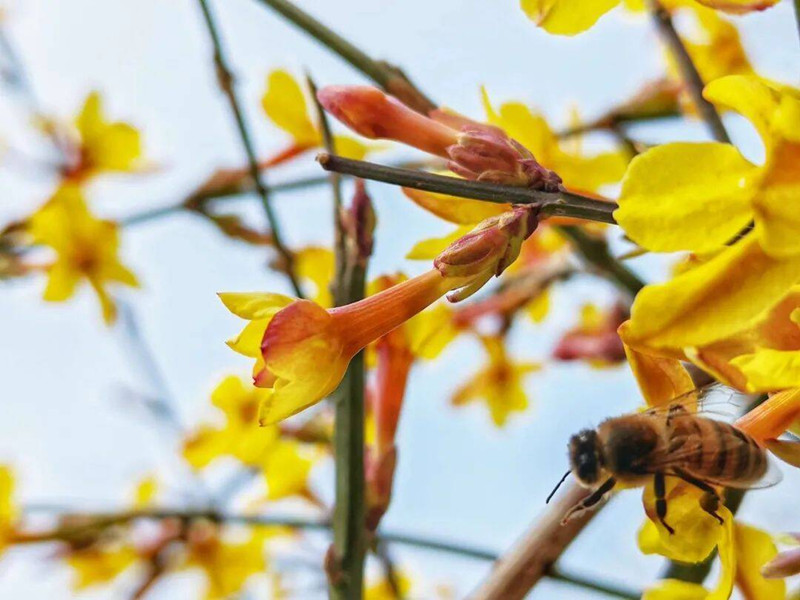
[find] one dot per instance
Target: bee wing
(712, 399)
(773, 476)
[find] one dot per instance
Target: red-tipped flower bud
(373, 114)
(487, 250)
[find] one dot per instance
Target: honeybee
(659, 443)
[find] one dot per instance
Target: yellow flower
(86, 248)
(100, 563)
(316, 265)
(227, 564)
(285, 104)
(383, 590)
(498, 384)
(286, 464)
(102, 145)
(306, 349)
(568, 17)
(698, 197)
(530, 129)
(145, 492)
(8, 508)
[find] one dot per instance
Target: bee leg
(590, 500)
(709, 501)
(661, 501)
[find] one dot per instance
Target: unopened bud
(486, 153)
(487, 250)
(373, 114)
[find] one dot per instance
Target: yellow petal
(754, 549)
(660, 379)
(770, 370)
(566, 17)
(254, 305)
(432, 247)
(286, 470)
(145, 492)
(461, 211)
(62, 280)
(737, 7)
(117, 148)
(350, 147)
(714, 300)
(431, 331)
(204, 445)
(538, 308)
(285, 105)
(248, 342)
(686, 196)
(775, 206)
(317, 265)
(675, 589)
(750, 97)
(90, 120)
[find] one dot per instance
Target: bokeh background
(66, 420)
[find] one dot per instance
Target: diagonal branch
(226, 83)
(689, 74)
(562, 204)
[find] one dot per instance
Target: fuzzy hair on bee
(669, 441)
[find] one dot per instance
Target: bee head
(585, 456)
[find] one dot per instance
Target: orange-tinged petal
(660, 379)
(686, 196)
(772, 417)
(304, 351)
(714, 300)
(737, 7)
(461, 211)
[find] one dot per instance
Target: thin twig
(107, 519)
(689, 74)
(225, 79)
(385, 75)
(562, 204)
(797, 14)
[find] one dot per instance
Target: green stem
(226, 82)
(563, 204)
(385, 75)
(690, 75)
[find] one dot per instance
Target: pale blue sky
(62, 422)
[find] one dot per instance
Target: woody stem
(562, 204)
(226, 82)
(689, 73)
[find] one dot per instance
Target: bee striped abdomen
(724, 453)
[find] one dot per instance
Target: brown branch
(532, 556)
(225, 79)
(689, 74)
(562, 204)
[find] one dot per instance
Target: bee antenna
(555, 489)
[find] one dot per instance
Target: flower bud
(785, 564)
(487, 250)
(373, 114)
(486, 153)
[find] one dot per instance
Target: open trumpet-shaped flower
(85, 247)
(305, 349)
(662, 208)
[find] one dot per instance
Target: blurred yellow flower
(100, 563)
(316, 264)
(227, 564)
(102, 146)
(86, 248)
(284, 102)
(499, 384)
